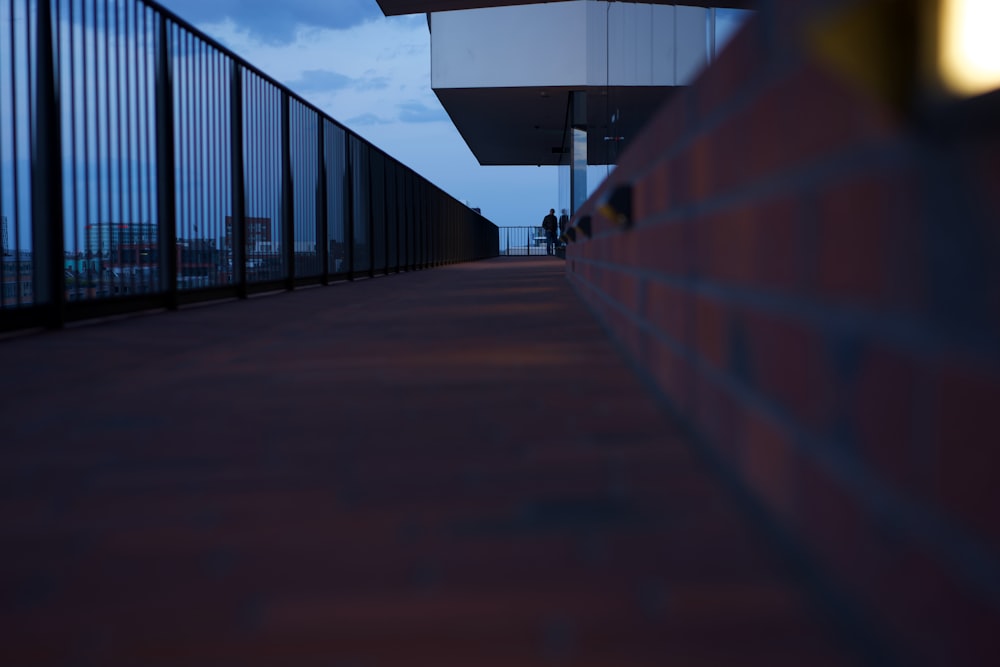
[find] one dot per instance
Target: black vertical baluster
(148, 165)
(107, 197)
(205, 255)
(223, 168)
(322, 198)
(263, 158)
(370, 213)
(287, 194)
(95, 236)
(131, 87)
(392, 222)
(251, 164)
(74, 82)
(204, 139)
(97, 231)
(385, 213)
(258, 187)
(199, 251)
(262, 186)
(266, 157)
(349, 222)
(190, 184)
(123, 219)
(204, 154)
(93, 264)
(287, 190)
(425, 224)
(30, 119)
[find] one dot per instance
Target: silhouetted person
(550, 224)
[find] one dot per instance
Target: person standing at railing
(550, 224)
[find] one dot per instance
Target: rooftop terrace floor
(447, 467)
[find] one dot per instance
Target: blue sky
(372, 74)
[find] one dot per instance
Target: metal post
(399, 197)
(237, 236)
(385, 212)
(166, 188)
(322, 233)
(46, 178)
(371, 218)
(287, 192)
(418, 226)
(349, 196)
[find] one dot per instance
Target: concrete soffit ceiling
(527, 126)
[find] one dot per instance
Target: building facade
(565, 84)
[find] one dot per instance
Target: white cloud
(276, 22)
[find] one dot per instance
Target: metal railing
(144, 165)
(522, 241)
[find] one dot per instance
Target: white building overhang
(505, 74)
(402, 7)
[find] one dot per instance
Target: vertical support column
(46, 179)
(425, 229)
(405, 207)
(386, 222)
(578, 150)
(429, 226)
(349, 197)
(419, 240)
(322, 197)
(238, 234)
(371, 214)
(166, 189)
(400, 198)
(287, 193)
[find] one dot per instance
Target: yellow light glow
(970, 46)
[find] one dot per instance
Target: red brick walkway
(451, 467)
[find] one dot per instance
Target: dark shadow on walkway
(451, 467)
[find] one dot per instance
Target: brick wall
(813, 284)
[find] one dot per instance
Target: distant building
(17, 281)
(127, 259)
(4, 243)
(261, 261)
(256, 235)
(123, 243)
(199, 263)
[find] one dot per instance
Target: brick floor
(449, 467)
